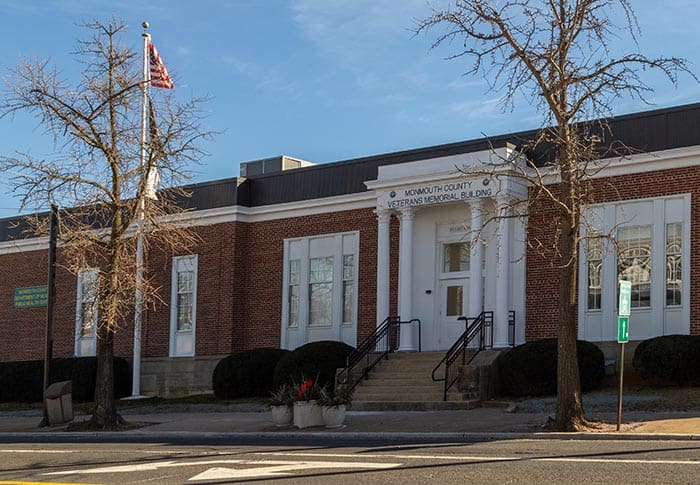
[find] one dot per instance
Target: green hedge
(672, 358)
(23, 381)
(315, 360)
(531, 369)
(246, 374)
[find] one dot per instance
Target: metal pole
(51, 294)
(138, 306)
(619, 395)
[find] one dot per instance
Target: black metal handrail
(372, 349)
(411, 322)
(480, 326)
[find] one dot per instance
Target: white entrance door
(454, 302)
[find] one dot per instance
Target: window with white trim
(595, 267)
(455, 257)
(293, 292)
(321, 290)
(674, 263)
(634, 262)
(183, 305)
(348, 287)
(645, 242)
(86, 312)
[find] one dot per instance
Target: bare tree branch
(557, 53)
(98, 176)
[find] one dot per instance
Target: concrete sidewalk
(377, 424)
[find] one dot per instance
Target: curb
(340, 437)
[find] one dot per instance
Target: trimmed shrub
(23, 381)
(671, 358)
(315, 360)
(531, 369)
(246, 374)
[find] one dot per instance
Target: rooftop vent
(271, 165)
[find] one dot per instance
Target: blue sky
(322, 80)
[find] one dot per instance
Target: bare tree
(99, 174)
(560, 55)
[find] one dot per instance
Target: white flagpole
(138, 310)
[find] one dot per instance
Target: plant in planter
(333, 405)
(307, 412)
(281, 403)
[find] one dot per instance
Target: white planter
(334, 416)
(282, 415)
(307, 413)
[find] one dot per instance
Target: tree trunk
(105, 414)
(570, 414)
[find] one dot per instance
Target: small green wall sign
(31, 297)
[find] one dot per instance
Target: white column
(406, 277)
(476, 282)
(383, 265)
(500, 331)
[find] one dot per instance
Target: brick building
(293, 252)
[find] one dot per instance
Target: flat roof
(646, 131)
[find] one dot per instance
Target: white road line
(140, 467)
(624, 460)
(39, 451)
(285, 470)
(491, 458)
(375, 455)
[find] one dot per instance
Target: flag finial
(144, 25)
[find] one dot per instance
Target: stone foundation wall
(172, 377)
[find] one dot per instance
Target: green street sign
(31, 297)
(625, 298)
(623, 330)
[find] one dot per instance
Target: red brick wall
(240, 278)
(542, 286)
(260, 257)
(216, 280)
(23, 330)
(239, 289)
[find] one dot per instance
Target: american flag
(159, 74)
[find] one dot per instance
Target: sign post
(623, 327)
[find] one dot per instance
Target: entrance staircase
(403, 382)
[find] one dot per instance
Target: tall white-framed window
(595, 272)
(320, 281)
(293, 279)
(646, 242)
(183, 306)
(634, 263)
(674, 264)
(348, 288)
(86, 312)
(321, 290)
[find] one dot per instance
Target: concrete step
(436, 356)
(413, 405)
(401, 371)
(418, 395)
(400, 383)
(462, 396)
(405, 396)
(403, 381)
(404, 376)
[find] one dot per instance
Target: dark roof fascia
(646, 131)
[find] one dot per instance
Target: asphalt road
(506, 461)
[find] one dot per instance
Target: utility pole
(51, 290)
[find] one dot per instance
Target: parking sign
(625, 298)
